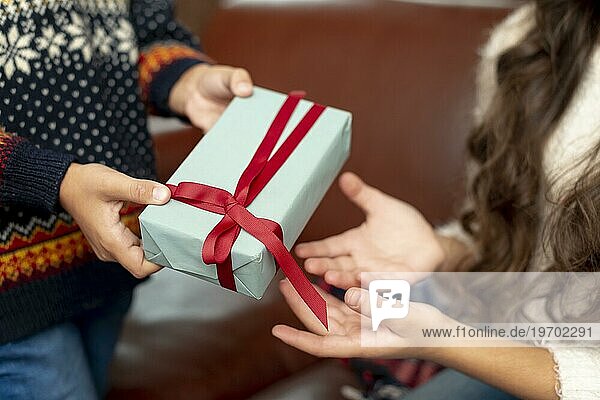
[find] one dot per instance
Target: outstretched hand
(349, 320)
(395, 237)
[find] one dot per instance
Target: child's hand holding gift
(203, 92)
(94, 194)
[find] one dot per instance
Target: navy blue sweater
(77, 79)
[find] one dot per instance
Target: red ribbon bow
(219, 242)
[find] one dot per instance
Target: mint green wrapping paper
(173, 234)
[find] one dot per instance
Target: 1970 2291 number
(562, 331)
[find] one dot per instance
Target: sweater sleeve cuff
(32, 176)
(454, 230)
(577, 372)
(160, 67)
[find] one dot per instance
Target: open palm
(395, 237)
(350, 333)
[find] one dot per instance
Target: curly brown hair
(537, 80)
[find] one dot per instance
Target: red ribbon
(219, 242)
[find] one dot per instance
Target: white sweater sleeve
(578, 372)
(454, 230)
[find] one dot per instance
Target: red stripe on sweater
(8, 142)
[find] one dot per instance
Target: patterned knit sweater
(76, 79)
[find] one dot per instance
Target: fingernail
(245, 87)
(353, 298)
(160, 193)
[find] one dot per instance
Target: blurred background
(406, 71)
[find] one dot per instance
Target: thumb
(224, 82)
(359, 192)
(124, 188)
(358, 300)
(241, 82)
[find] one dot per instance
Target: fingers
(126, 250)
(101, 253)
(319, 266)
(334, 306)
(320, 346)
(222, 83)
(341, 279)
(361, 194)
(394, 271)
(300, 308)
(302, 340)
(305, 341)
(117, 186)
(333, 246)
(358, 300)
(132, 258)
(241, 82)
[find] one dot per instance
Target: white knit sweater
(578, 369)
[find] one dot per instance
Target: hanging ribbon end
(321, 314)
(325, 323)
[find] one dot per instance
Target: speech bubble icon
(389, 299)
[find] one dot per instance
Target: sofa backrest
(406, 72)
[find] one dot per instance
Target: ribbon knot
(219, 242)
(230, 204)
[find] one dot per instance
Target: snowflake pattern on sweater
(77, 78)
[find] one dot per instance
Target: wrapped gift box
(173, 234)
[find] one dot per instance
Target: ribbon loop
(219, 242)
